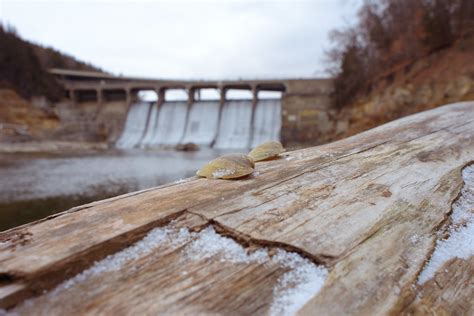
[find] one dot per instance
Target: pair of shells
(234, 166)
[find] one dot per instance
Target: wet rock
(187, 147)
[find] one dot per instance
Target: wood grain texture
(450, 292)
(353, 206)
(166, 281)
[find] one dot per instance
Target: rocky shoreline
(51, 147)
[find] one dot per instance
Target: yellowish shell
(266, 151)
(229, 166)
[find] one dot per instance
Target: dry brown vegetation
(21, 121)
(24, 65)
(393, 34)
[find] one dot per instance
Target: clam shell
(229, 166)
(266, 151)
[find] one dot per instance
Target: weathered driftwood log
(368, 210)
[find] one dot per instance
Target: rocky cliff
(38, 120)
(21, 120)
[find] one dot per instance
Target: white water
(202, 123)
(134, 126)
(167, 124)
(150, 136)
(267, 121)
(235, 126)
(171, 123)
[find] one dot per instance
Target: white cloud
(186, 39)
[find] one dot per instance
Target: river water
(35, 186)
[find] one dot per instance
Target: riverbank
(50, 146)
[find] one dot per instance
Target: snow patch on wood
(300, 280)
(296, 287)
(152, 241)
(208, 244)
(460, 243)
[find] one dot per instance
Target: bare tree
(390, 33)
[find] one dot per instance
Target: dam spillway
(171, 123)
(236, 124)
(202, 123)
(135, 125)
(267, 121)
(152, 124)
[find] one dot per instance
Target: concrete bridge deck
(82, 82)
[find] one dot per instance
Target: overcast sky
(187, 39)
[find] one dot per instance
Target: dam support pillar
(99, 96)
(128, 97)
(191, 99)
(160, 92)
(72, 96)
(252, 120)
(128, 105)
(148, 123)
(222, 93)
(100, 102)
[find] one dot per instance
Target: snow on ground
(460, 243)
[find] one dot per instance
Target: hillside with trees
(24, 65)
(394, 34)
(400, 58)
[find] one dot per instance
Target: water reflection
(35, 186)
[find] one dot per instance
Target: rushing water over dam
(135, 125)
(170, 124)
(267, 121)
(202, 123)
(237, 124)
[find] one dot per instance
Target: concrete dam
(203, 123)
(300, 114)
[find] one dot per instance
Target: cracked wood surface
(353, 205)
(166, 282)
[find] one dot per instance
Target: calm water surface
(35, 186)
